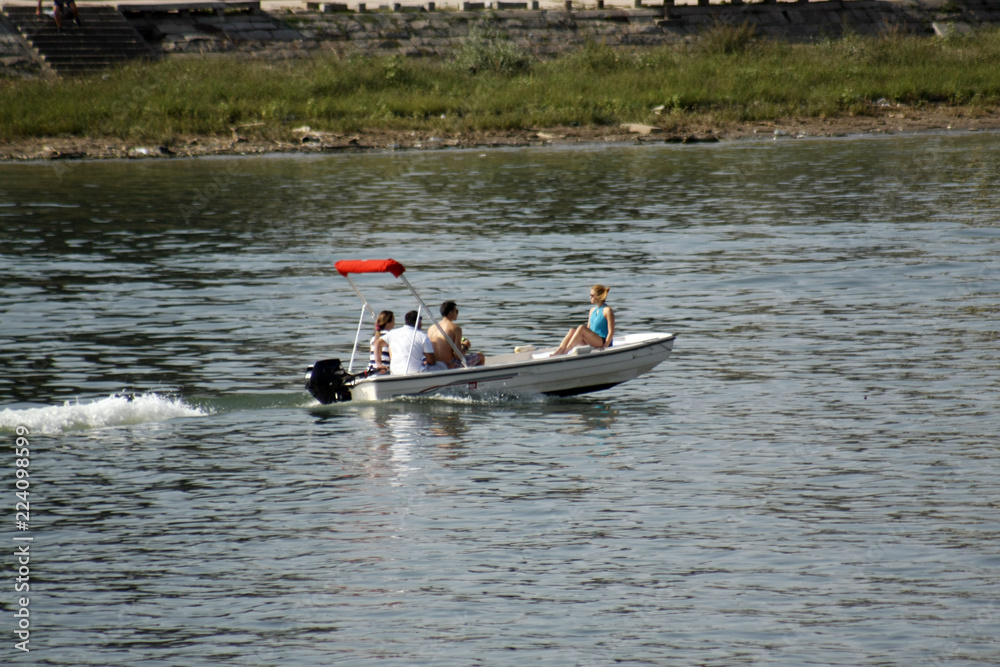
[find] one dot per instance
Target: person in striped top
(378, 362)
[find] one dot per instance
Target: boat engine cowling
(328, 382)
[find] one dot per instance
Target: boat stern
(328, 382)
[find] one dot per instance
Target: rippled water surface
(811, 478)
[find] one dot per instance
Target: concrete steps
(105, 39)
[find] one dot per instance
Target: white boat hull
(582, 371)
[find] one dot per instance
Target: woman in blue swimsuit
(600, 330)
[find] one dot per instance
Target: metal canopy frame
(366, 307)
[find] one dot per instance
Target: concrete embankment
(282, 30)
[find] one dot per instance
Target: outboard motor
(328, 382)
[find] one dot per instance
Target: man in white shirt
(410, 350)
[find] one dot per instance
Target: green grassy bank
(726, 75)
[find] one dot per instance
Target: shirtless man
(442, 350)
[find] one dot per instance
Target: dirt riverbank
(246, 140)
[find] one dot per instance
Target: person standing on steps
(60, 9)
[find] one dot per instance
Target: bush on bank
(726, 74)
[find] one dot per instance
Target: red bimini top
(346, 266)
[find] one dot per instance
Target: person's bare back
(442, 350)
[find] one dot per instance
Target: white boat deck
(530, 352)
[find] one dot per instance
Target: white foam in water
(110, 411)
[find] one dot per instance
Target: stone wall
(546, 33)
(242, 27)
(423, 31)
(200, 30)
(16, 57)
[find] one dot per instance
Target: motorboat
(528, 370)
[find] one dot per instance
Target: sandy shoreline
(891, 120)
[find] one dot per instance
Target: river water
(811, 478)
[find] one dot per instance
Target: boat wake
(487, 398)
(483, 398)
(116, 410)
(148, 408)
